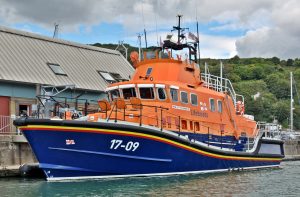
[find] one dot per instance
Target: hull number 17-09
(129, 146)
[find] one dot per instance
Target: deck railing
(220, 84)
(269, 130)
(163, 119)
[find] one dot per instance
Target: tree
(290, 62)
(297, 62)
(275, 60)
(235, 59)
(278, 85)
(281, 110)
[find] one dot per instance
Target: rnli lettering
(199, 113)
(70, 142)
(181, 108)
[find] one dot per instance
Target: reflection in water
(271, 182)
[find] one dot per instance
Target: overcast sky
(248, 28)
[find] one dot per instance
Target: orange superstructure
(173, 95)
(175, 88)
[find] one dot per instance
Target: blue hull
(66, 152)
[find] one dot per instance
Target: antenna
(221, 75)
(122, 49)
(156, 23)
(55, 33)
(198, 42)
(145, 34)
(140, 43)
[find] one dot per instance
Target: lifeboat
(169, 118)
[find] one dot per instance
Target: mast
(178, 28)
(292, 100)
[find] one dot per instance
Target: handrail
(159, 118)
(220, 84)
(268, 130)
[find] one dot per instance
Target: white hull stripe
(156, 174)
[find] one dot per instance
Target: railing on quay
(6, 125)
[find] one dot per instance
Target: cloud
(210, 46)
(217, 46)
(71, 13)
(265, 22)
(280, 39)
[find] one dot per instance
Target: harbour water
(283, 181)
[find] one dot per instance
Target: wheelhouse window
(56, 69)
(174, 94)
(161, 93)
(212, 105)
(146, 93)
(184, 97)
(149, 71)
(114, 94)
(128, 92)
(220, 109)
(107, 77)
(194, 99)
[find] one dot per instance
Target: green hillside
(267, 77)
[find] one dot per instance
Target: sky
(247, 28)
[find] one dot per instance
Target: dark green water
(284, 181)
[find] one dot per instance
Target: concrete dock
(14, 152)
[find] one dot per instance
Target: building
(30, 62)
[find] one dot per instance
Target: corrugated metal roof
(24, 57)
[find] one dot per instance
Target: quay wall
(14, 152)
(292, 150)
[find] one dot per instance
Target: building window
(24, 110)
(220, 106)
(212, 105)
(147, 93)
(111, 77)
(129, 92)
(194, 99)
(117, 77)
(184, 97)
(161, 93)
(174, 94)
(56, 69)
(107, 77)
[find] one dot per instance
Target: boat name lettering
(181, 108)
(199, 113)
(129, 146)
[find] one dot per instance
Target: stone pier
(14, 152)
